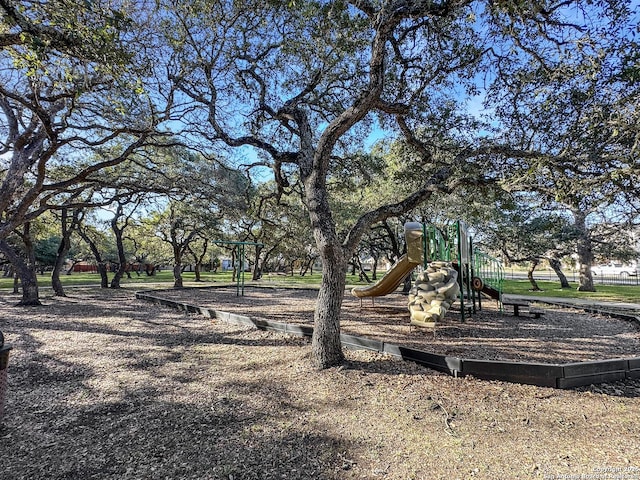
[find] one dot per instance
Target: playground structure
(399, 270)
(488, 277)
(433, 293)
(451, 270)
(240, 262)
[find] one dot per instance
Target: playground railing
(489, 269)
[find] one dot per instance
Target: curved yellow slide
(389, 282)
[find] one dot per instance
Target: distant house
(85, 267)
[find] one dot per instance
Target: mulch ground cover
(103, 386)
(561, 335)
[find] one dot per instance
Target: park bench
(516, 304)
(536, 312)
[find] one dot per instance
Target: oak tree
(300, 85)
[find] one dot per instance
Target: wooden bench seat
(516, 304)
(536, 312)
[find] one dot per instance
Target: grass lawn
(93, 279)
(614, 293)
(611, 293)
(166, 276)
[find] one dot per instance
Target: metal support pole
(462, 269)
(241, 254)
(473, 274)
(242, 257)
(425, 245)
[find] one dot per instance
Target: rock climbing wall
(433, 293)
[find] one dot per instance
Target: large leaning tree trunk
(532, 267)
(25, 270)
(556, 266)
(325, 344)
(100, 262)
(26, 273)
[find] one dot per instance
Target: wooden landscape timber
(557, 375)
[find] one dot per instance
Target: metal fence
(549, 275)
(617, 279)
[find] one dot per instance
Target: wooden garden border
(567, 375)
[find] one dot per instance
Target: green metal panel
(489, 269)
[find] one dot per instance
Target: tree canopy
(303, 83)
(290, 92)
